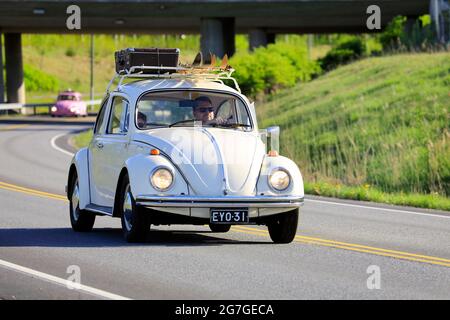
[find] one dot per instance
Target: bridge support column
(217, 36)
(409, 25)
(259, 38)
(439, 13)
(15, 87)
(2, 82)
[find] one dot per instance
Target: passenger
(141, 120)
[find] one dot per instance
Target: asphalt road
(337, 242)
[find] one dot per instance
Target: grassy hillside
(65, 59)
(58, 62)
(378, 123)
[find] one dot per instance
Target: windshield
(65, 97)
(189, 108)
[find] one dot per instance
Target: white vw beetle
(182, 148)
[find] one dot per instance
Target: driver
(204, 111)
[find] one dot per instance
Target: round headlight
(161, 179)
(54, 109)
(279, 179)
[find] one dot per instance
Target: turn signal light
(272, 153)
(154, 152)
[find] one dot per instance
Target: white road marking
(54, 146)
(61, 281)
(382, 209)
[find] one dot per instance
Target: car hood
(66, 104)
(214, 161)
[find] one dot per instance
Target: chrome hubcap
(128, 208)
(76, 202)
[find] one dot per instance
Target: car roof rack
(196, 71)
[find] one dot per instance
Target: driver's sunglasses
(211, 109)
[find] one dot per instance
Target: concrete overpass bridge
(216, 20)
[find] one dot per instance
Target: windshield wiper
(231, 125)
(156, 124)
(180, 122)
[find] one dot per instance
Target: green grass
(382, 121)
(369, 193)
(82, 139)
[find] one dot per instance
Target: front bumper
(221, 202)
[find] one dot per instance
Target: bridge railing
(34, 106)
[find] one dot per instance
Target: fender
(141, 166)
(270, 163)
(81, 162)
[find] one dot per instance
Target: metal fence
(15, 106)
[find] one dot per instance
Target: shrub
(343, 53)
(394, 30)
(70, 52)
(421, 36)
(36, 80)
(355, 45)
(337, 57)
(269, 68)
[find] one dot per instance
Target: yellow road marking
(12, 187)
(305, 238)
(354, 247)
(17, 126)
(298, 238)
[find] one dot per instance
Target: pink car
(69, 103)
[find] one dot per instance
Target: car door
(96, 152)
(109, 151)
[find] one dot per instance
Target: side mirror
(271, 138)
(275, 130)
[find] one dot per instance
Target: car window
(188, 107)
(242, 113)
(67, 97)
(118, 115)
(126, 124)
(99, 124)
(226, 110)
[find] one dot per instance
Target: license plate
(231, 216)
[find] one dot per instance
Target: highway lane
(184, 262)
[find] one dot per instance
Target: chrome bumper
(220, 202)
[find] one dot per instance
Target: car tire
(220, 227)
(283, 228)
(135, 221)
(81, 220)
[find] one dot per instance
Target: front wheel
(81, 220)
(219, 227)
(284, 227)
(135, 222)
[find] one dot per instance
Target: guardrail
(15, 106)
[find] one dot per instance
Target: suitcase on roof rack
(148, 57)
